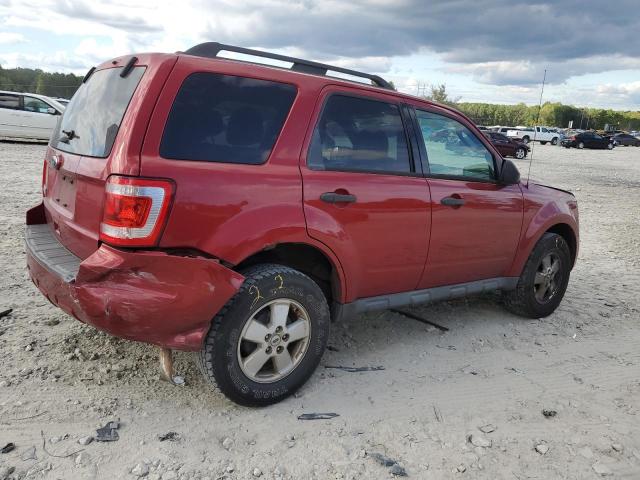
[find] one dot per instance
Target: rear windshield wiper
(68, 135)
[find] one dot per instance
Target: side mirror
(52, 111)
(509, 175)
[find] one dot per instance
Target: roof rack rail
(212, 49)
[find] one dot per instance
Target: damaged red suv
(233, 209)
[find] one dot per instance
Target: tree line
(550, 114)
(37, 81)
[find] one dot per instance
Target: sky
(483, 50)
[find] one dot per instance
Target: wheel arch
(569, 236)
(312, 260)
(549, 220)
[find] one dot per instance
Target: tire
(543, 143)
(554, 141)
(520, 153)
(525, 139)
(528, 299)
(609, 146)
(581, 145)
(226, 358)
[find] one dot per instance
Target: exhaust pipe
(167, 372)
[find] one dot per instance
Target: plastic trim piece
(50, 253)
(417, 297)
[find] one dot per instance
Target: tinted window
(453, 150)
(223, 118)
(9, 101)
(499, 137)
(357, 134)
(93, 116)
(32, 104)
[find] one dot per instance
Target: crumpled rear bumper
(148, 296)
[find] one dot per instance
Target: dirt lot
(60, 380)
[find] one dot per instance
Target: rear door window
(358, 134)
(225, 118)
(91, 120)
(9, 101)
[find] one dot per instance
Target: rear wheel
(609, 146)
(269, 338)
(581, 145)
(520, 153)
(544, 279)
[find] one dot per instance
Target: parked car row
(588, 140)
(28, 115)
(626, 140)
(566, 137)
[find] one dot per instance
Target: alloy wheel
(274, 340)
(548, 278)
(520, 153)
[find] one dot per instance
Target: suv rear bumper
(148, 296)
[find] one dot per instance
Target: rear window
(224, 118)
(91, 120)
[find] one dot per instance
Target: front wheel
(268, 339)
(554, 141)
(520, 153)
(610, 146)
(581, 145)
(525, 139)
(544, 279)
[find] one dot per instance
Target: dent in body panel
(167, 300)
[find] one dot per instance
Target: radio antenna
(535, 132)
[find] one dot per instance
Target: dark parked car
(588, 140)
(235, 210)
(626, 140)
(508, 147)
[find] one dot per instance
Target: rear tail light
(135, 211)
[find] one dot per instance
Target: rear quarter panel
(231, 211)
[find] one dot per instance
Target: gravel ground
(467, 403)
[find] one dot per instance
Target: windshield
(91, 120)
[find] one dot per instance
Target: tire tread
(252, 274)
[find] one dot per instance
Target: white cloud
(624, 93)
(52, 62)
(494, 49)
(9, 38)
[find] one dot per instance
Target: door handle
(452, 201)
(333, 197)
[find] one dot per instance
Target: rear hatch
(96, 137)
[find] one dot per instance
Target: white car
(27, 115)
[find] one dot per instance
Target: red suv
(235, 209)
